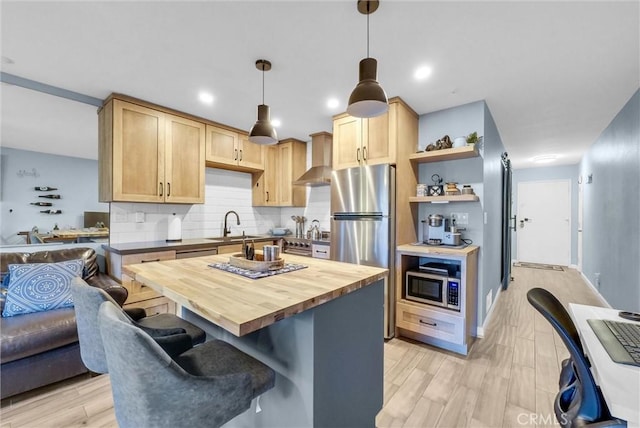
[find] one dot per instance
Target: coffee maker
(436, 231)
(433, 230)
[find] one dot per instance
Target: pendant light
(262, 131)
(368, 99)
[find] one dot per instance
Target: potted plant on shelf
(473, 138)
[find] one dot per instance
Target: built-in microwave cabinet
(438, 326)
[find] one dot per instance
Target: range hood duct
(320, 172)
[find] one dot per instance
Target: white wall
(562, 172)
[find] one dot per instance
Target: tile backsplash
(224, 191)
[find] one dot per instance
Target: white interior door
(544, 222)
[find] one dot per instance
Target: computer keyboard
(621, 340)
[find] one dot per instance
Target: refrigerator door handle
(357, 216)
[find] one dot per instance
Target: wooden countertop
(428, 250)
(241, 305)
(71, 235)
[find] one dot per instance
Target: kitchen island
(320, 328)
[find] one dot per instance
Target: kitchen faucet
(228, 230)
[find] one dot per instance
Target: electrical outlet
(460, 219)
(597, 276)
(139, 217)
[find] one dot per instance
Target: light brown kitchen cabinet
(231, 150)
(148, 155)
(140, 296)
(284, 163)
(454, 330)
(375, 140)
(264, 184)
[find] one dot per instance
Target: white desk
(620, 383)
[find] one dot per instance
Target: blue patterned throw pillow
(40, 287)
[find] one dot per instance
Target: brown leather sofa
(40, 348)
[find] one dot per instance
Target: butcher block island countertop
(242, 305)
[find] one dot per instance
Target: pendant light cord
(263, 84)
(369, 13)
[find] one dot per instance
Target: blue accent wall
(483, 173)
(611, 215)
(22, 170)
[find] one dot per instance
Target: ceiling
(554, 74)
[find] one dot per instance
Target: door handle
(168, 189)
(235, 154)
(364, 153)
(240, 159)
(267, 196)
(514, 224)
(433, 324)
(358, 154)
(161, 189)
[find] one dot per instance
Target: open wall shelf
(465, 152)
(445, 199)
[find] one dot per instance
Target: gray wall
(562, 172)
(492, 206)
(611, 215)
(75, 178)
(483, 173)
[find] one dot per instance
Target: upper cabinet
(232, 150)
(284, 163)
(372, 141)
(149, 155)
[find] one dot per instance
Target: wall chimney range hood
(320, 172)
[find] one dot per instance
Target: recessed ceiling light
(422, 72)
(545, 158)
(333, 103)
(276, 123)
(205, 98)
(7, 60)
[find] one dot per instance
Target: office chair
(206, 386)
(580, 402)
(173, 333)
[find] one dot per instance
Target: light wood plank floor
(509, 378)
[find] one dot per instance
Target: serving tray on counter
(258, 265)
(288, 267)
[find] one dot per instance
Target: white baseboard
(480, 329)
(595, 290)
(574, 267)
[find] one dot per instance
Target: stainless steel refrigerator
(363, 226)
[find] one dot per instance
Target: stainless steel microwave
(423, 287)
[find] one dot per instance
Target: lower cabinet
(140, 296)
(237, 248)
(430, 322)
